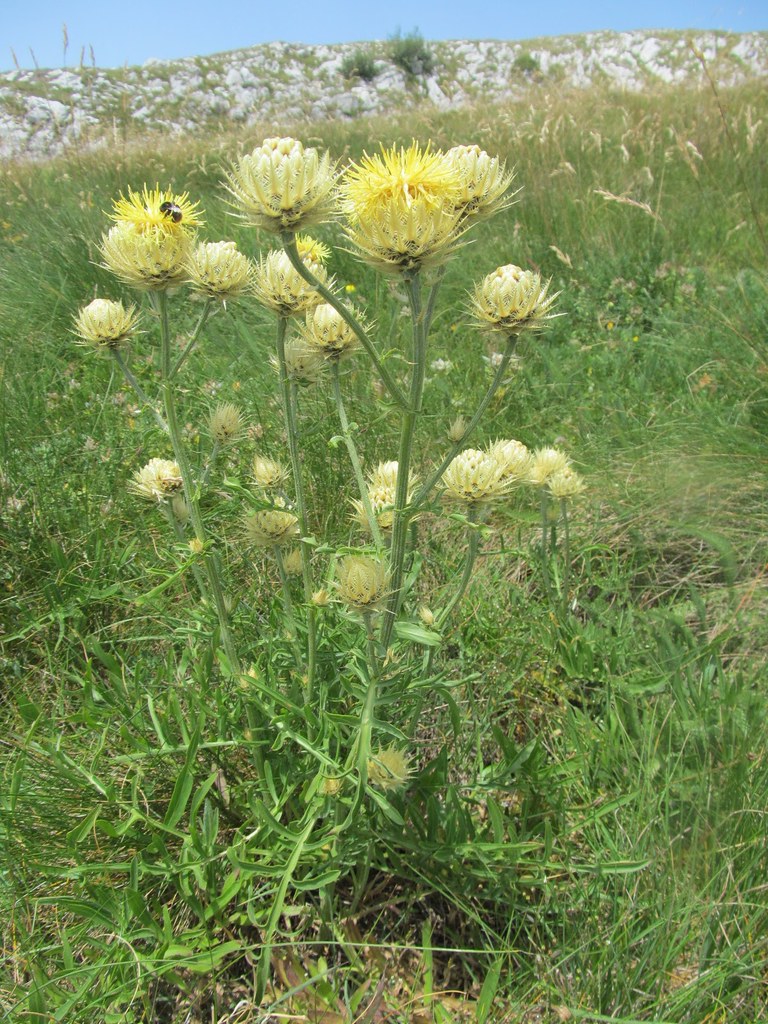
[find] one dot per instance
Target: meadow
(580, 830)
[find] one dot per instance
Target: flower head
(281, 186)
(157, 209)
(105, 324)
(304, 363)
(515, 459)
(478, 477)
(158, 480)
(280, 287)
(382, 489)
(389, 769)
(219, 270)
(401, 207)
(484, 182)
(226, 423)
(268, 473)
(325, 330)
(271, 527)
(147, 259)
(565, 483)
(363, 582)
(545, 463)
(398, 177)
(511, 300)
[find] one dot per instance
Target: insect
(171, 210)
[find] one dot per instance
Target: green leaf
(416, 634)
(488, 992)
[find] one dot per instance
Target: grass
(584, 834)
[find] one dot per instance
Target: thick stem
(566, 555)
(290, 618)
(292, 252)
(355, 460)
(160, 302)
(544, 512)
(407, 429)
(291, 427)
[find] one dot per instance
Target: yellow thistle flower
(477, 477)
(304, 363)
(326, 330)
(399, 177)
(331, 785)
(281, 186)
(226, 423)
(153, 259)
(511, 300)
(457, 429)
(545, 463)
(158, 480)
(157, 210)
(268, 473)
(515, 457)
(401, 207)
(281, 288)
(362, 582)
(321, 598)
(293, 562)
(406, 236)
(382, 492)
(105, 324)
(484, 182)
(219, 271)
(389, 769)
(565, 483)
(271, 527)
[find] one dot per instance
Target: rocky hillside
(44, 112)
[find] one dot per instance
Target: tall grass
(585, 832)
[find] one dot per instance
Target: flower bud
(105, 324)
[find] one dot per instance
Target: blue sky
(137, 30)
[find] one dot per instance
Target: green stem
(181, 537)
(473, 546)
(292, 252)
(288, 395)
(290, 617)
(426, 487)
(139, 390)
(355, 460)
(566, 555)
(407, 429)
(544, 510)
(160, 303)
(277, 907)
(209, 303)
